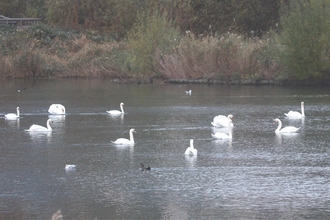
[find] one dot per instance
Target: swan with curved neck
(35, 127)
(288, 129)
(56, 109)
(222, 121)
(116, 112)
(191, 150)
(295, 114)
(124, 141)
(11, 116)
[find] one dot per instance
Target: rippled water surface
(257, 175)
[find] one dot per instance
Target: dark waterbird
(143, 168)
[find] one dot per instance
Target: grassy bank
(153, 52)
(43, 51)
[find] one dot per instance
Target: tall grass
(229, 56)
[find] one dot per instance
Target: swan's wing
(293, 114)
(35, 127)
(289, 129)
(122, 141)
(220, 121)
(114, 112)
(11, 115)
(188, 151)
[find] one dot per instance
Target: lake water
(257, 175)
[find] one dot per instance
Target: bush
(151, 33)
(305, 41)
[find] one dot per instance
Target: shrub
(150, 34)
(305, 42)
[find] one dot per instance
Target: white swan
(191, 150)
(12, 116)
(70, 167)
(116, 112)
(124, 141)
(295, 114)
(188, 92)
(35, 127)
(288, 129)
(222, 121)
(56, 109)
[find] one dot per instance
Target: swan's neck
(279, 126)
(122, 109)
(131, 137)
(192, 144)
(48, 125)
(17, 112)
(302, 110)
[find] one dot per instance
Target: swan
(70, 167)
(295, 114)
(35, 127)
(191, 150)
(116, 112)
(288, 129)
(11, 116)
(124, 141)
(56, 109)
(222, 121)
(188, 92)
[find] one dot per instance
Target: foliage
(227, 57)
(305, 39)
(152, 33)
(118, 17)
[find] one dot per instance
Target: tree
(305, 39)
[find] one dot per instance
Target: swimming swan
(191, 150)
(188, 92)
(295, 114)
(222, 121)
(35, 127)
(288, 129)
(116, 112)
(69, 167)
(11, 116)
(124, 141)
(56, 109)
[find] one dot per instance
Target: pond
(255, 175)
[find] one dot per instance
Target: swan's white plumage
(222, 121)
(56, 109)
(188, 92)
(40, 128)
(69, 167)
(288, 129)
(116, 112)
(124, 141)
(12, 116)
(191, 150)
(295, 114)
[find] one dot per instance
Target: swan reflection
(281, 136)
(40, 136)
(13, 123)
(191, 160)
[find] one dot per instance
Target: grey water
(256, 175)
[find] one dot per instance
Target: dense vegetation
(242, 40)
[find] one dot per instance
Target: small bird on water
(143, 168)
